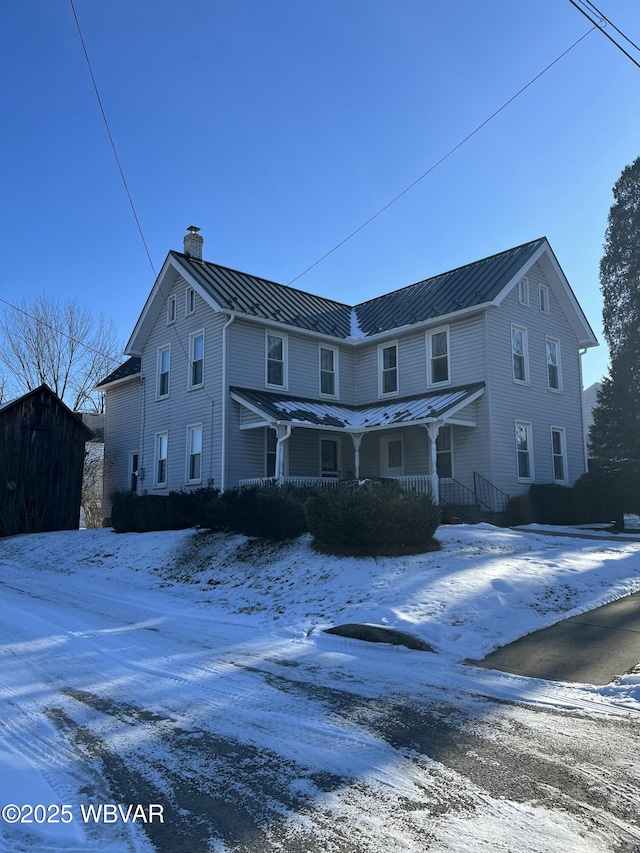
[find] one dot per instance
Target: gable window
(328, 371)
(388, 364)
(554, 376)
(444, 453)
(438, 349)
(559, 454)
(271, 440)
(162, 445)
(164, 366)
(544, 298)
(171, 310)
(523, 291)
(524, 450)
(329, 458)
(519, 353)
(196, 360)
(276, 360)
(194, 453)
(190, 301)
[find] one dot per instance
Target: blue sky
(280, 126)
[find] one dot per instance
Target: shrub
(200, 507)
(520, 510)
(555, 504)
(271, 512)
(142, 513)
(608, 490)
(372, 518)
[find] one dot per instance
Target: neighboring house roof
(300, 411)
(127, 369)
(480, 284)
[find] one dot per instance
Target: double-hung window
(328, 371)
(194, 453)
(524, 450)
(388, 365)
(519, 354)
(276, 360)
(161, 450)
(559, 454)
(164, 367)
(438, 359)
(196, 360)
(329, 458)
(554, 375)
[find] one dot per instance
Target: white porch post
(356, 438)
(282, 434)
(433, 429)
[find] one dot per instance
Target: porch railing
(489, 494)
(315, 482)
(416, 484)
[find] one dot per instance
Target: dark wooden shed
(41, 461)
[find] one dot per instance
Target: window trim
(160, 373)
(563, 454)
(335, 373)
(523, 291)
(191, 386)
(529, 428)
(381, 348)
(189, 297)
(171, 309)
(338, 443)
(160, 484)
(549, 339)
(544, 299)
(191, 429)
(285, 359)
(429, 337)
(525, 351)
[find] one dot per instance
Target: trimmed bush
(143, 513)
(373, 518)
(271, 512)
(197, 508)
(555, 504)
(520, 510)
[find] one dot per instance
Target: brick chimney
(193, 243)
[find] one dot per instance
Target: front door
(391, 464)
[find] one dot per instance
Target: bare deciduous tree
(59, 344)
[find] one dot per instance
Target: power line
(609, 21)
(603, 31)
(113, 147)
(442, 159)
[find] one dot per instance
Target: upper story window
(276, 360)
(171, 310)
(161, 453)
(554, 374)
(524, 452)
(328, 371)
(164, 367)
(438, 356)
(388, 368)
(196, 359)
(190, 301)
(194, 453)
(519, 354)
(523, 291)
(544, 298)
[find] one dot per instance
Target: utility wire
(609, 21)
(442, 159)
(106, 124)
(603, 31)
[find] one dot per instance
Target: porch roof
(299, 411)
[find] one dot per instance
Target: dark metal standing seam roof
(461, 288)
(304, 411)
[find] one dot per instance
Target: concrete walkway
(591, 648)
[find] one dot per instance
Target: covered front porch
(317, 443)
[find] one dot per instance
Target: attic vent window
(523, 291)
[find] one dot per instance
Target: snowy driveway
(189, 673)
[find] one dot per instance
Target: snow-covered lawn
(148, 663)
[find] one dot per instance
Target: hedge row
(374, 515)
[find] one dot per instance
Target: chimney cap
(193, 229)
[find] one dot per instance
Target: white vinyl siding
(559, 454)
(554, 367)
(438, 347)
(388, 369)
(524, 451)
(196, 359)
(519, 354)
(164, 370)
(276, 360)
(328, 371)
(161, 459)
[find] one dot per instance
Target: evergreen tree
(615, 433)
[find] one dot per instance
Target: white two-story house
(467, 385)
